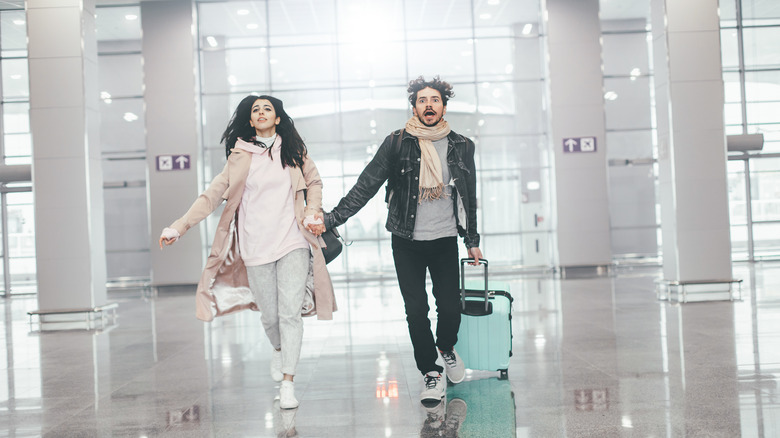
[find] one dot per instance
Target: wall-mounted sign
(579, 144)
(173, 162)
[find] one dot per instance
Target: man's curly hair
(437, 84)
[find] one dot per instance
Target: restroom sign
(173, 162)
(579, 144)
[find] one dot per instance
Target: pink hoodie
(266, 217)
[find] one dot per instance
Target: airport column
(172, 132)
(66, 166)
(577, 132)
(691, 141)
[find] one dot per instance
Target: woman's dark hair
(444, 88)
(293, 147)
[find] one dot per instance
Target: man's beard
(422, 120)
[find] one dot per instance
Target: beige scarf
(431, 184)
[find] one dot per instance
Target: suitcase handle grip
(482, 262)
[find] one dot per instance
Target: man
(431, 196)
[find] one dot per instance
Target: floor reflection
(595, 357)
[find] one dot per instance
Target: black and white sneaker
(434, 387)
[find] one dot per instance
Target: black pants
(440, 258)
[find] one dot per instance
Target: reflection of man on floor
(444, 423)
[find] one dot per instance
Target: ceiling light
(242, 12)
(131, 17)
(212, 41)
(485, 16)
(18, 22)
(130, 117)
(527, 28)
(252, 26)
(610, 95)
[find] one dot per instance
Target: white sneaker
(287, 398)
(434, 387)
(276, 366)
(453, 365)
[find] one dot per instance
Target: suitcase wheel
(503, 374)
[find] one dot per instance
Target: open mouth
(429, 113)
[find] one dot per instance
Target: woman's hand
(314, 223)
(168, 236)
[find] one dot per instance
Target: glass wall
(630, 130)
(17, 251)
(342, 68)
(750, 35)
(123, 142)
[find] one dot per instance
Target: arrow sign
(579, 144)
(183, 161)
(173, 162)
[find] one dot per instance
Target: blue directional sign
(579, 144)
(173, 162)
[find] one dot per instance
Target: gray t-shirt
(436, 218)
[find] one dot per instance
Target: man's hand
(475, 254)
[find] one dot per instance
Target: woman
(266, 245)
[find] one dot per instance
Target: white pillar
(66, 169)
(691, 141)
(172, 128)
(577, 113)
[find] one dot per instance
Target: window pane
(13, 33)
(120, 76)
(766, 240)
(16, 147)
(506, 18)
(122, 125)
(303, 67)
(15, 80)
(729, 49)
(630, 108)
(625, 54)
(294, 22)
(117, 23)
(759, 13)
(761, 47)
(453, 60)
(763, 86)
(21, 241)
(423, 19)
(765, 189)
(241, 24)
(360, 65)
(235, 70)
(361, 21)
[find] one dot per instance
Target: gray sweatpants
(278, 288)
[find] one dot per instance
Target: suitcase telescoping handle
(463, 262)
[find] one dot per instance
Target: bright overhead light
(527, 28)
(252, 26)
(242, 12)
(18, 22)
(485, 16)
(212, 41)
(131, 17)
(610, 95)
(130, 117)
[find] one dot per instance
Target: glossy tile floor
(598, 357)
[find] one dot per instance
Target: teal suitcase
(485, 334)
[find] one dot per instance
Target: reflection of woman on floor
(266, 238)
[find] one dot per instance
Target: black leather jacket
(399, 164)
